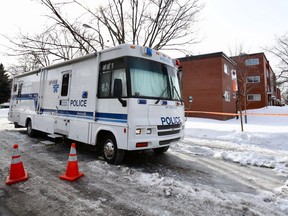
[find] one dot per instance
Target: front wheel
(111, 153)
(30, 131)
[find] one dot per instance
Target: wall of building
(266, 87)
(204, 78)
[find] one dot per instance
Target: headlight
(138, 131)
(149, 131)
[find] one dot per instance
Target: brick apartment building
(209, 79)
(256, 81)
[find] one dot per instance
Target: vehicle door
(62, 119)
(112, 92)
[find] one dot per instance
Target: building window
(234, 74)
(227, 96)
(226, 69)
(253, 79)
(254, 97)
(251, 62)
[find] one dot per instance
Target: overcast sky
(224, 24)
(253, 23)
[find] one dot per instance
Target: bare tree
(159, 24)
(55, 44)
(243, 71)
(244, 87)
(25, 63)
(64, 23)
(280, 50)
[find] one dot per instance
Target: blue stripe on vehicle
(69, 113)
(111, 117)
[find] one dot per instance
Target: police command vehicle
(121, 99)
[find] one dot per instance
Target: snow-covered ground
(264, 141)
(213, 149)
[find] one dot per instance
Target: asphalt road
(174, 183)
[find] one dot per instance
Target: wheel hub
(109, 150)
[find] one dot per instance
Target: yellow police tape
(238, 114)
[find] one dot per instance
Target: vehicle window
(15, 88)
(20, 89)
(149, 79)
(153, 79)
(65, 84)
(112, 79)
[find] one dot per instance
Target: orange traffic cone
(17, 172)
(72, 172)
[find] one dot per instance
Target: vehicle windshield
(153, 79)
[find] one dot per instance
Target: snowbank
(263, 143)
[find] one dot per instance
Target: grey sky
(223, 25)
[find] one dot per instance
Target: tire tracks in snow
(252, 177)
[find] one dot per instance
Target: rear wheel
(30, 131)
(161, 150)
(111, 153)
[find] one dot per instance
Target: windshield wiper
(177, 93)
(161, 95)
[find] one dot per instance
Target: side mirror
(190, 99)
(117, 91)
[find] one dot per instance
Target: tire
(161, 150)
(111, 153)
(30, 131)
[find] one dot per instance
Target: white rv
(121, 99)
